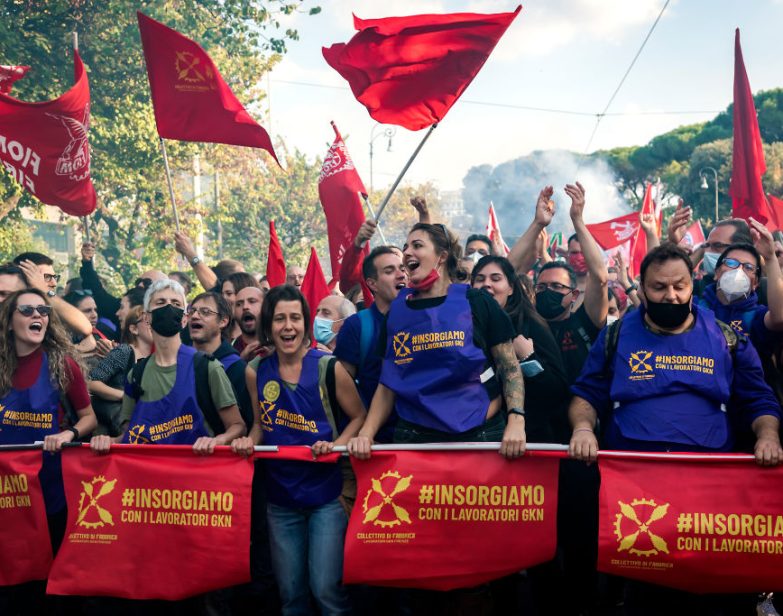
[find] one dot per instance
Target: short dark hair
(11, 269)
(478, 237)
(35, 257)
(741, 246)
(573, 238)
(135, 296)
(240, 280)
(223, 269)
(280, 293)
(77, 296)
(223, 309)
(660, 254)
(368, 265)
(559, 265)
(183, 275)
(741, 234)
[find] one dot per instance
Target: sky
(558, 54)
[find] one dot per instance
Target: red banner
(45, 146)
(443, 520)
(148, 522)
(701, 526)
(24, 534)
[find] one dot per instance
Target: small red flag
(615, 232)
(45, 146)
(410, 70)
(639, 243)
(314, 286)
(275, 264)
(153, 522)
(190, 98)
(747, 161)
(694, 236)
(24, 534)
(339, 186)
(9, 75)
(493, 230)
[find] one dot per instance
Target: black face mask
(549, 304)
(668, 316)
(167, 320)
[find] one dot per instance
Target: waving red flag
(639, 243)
(275, 264)
(190, 98)
(339, 186)
(615, 232)
(45, 146)
(9, 75)
(410, 70)
(314, 286)
(493, 231)
(747, 163)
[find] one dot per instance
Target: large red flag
(615, 232)
(45, 146)
(410, 70)
(339, 186)
(190, 98)
(9, 75)
(747, 161)
(639, 242)
(443, 520)
(314, 287)
(692, 522)
(24, 534)
(153, 522)
(275, 264)
(776, 209)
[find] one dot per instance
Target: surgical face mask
(666, 315)
(476, 256)
(322, 330)
(611, 319)
(735, 285)
(167, 320)
(709, 262)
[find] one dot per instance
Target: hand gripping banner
(24, 534)
(150, 522)
(694, 524)
(449, 520)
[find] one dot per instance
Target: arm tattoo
(509, 374)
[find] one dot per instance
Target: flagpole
(168, 179)
(372, 214)
(389, 194)
(85, 222)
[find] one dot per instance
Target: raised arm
(765, 244)
(523, 252)
(185, 247)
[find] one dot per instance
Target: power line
(574, 112)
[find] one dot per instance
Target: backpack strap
(366, 334)
(204, 394)
(133, 387)
(337, 414)
(610, 342)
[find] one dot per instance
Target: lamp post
(705, 186)
(388, 132)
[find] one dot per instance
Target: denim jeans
(307, 555)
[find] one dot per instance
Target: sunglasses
(26, 310)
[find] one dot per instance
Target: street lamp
(705, 186)
(388, 132)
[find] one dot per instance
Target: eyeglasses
(203, 311)
(50, 277)
(735, 263)
(554, 286)
(26, 310)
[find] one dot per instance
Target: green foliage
(133, 222)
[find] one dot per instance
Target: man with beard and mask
(330, 315)
(160, 405)
(247, 310)
(637, 381)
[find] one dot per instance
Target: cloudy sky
(558, 54)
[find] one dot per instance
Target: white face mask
(734, 284)
(611, 319)
(476, 256)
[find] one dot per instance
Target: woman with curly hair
(40, 375)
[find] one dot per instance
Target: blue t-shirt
(348, 349)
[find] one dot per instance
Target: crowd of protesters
(548, 352)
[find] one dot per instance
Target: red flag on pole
(45, 146)
(339, 186)
(314, 286)
(24, 534)
(694, 236)
(153, 522)
(275, 264)
(639, 243)
(190, 98)
(410, 70)
(615, 232)
(493, 230)
(9, 75)
(747, 161)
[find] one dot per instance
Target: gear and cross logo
(638, 362)
(401, 342)
(92, 514)
(136, 435)
(634, 535)
(384, 512)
